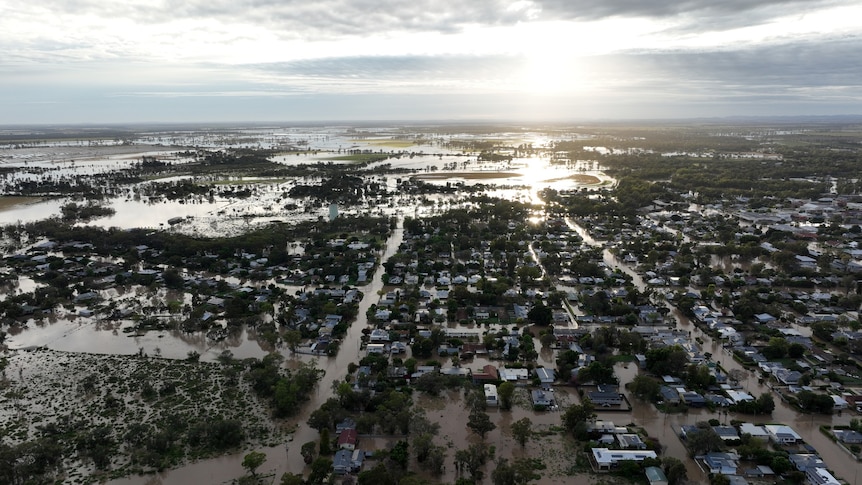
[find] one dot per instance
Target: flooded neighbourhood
(349, 301)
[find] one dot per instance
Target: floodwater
(281, 459)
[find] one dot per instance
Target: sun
(547, 71)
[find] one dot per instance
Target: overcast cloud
(220, 60)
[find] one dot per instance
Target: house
(820, 476)
(788, 377)
(757, 432)
(629, 441)
(839, 403)
(342, 462)
(782, 435)
(605, 399)
(347, 439)
(655, 476)
(546, 376)
(488, 373)
(760, 471)
(693, 399)
(606, 459)
(542, 398)
(491, 398)
(849, 436)
(724, 463)
(669, 395)
(805, 461)
(726, 433)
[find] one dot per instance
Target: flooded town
(431, 303)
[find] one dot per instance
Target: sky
(107, 61)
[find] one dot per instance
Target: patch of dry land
(80, 418)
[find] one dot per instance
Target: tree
(472, 459)
(505, 392)
(540, 314)
(578, 414)
(292, 338)
(480, 423)
(519, 472)
(522, 430)
(252, 461)
(674, 470)
(645, 387)
(704, 440)
(291, 479)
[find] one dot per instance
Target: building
(606, 459)
(804, 462)
(491, 398)
(820, 476)
(849, 436)
(630, 441)
(655, 476)
(782, 435)
(542, 398)
(546, 376)
(342, 462)
(727, 433)
(605, 399)
(724, 463)
(347, 439)
(755, 431)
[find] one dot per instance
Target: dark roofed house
(848, 436)
(669, 394)
(693, 399)
(605, 399)
(342, 462)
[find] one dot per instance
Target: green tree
(540, 315)
(480, 423)
(577, 415)
(674, 470)
(292, 479)
(505, 392)
(645, 388)
(253, 461)
(522, 430)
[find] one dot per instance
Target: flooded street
(282, 459)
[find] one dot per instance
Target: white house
(782, 434)
(606, 459)
(491, 398)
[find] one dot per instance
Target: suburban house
(820, 476)
(630, 441)
(605, 399)
(491, 398)
(849, 436)
(669, 395)
(347, 439)
(755, 431)
(342, 462)
(546, 376)
(806, 461)
(488, 373)
(606, 459)
(727, 433)
(724, 463)
(781, 434)
(655, 476)
(542, 398)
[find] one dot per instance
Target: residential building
(655, 476)
(606, 459)
(820, 476)
(782, 435)
(491, 398)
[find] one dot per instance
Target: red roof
(347, 437)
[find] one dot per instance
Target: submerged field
(85, 417)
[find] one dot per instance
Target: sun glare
(546, 72)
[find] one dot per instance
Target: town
(650, 304)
